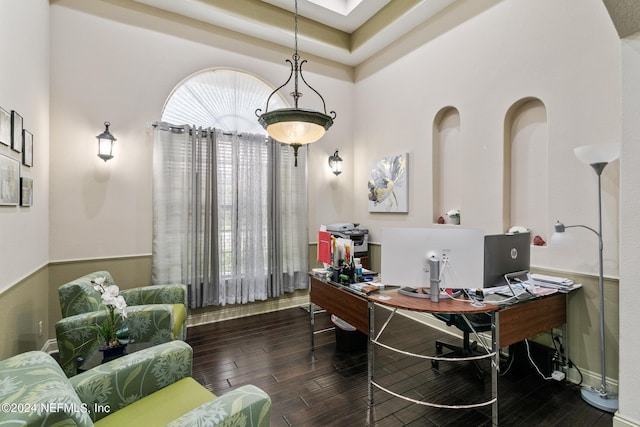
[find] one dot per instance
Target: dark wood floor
(329, 388)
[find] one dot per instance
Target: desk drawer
(524, 320)
(350, 307)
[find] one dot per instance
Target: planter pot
(455, 220)
(114, 352)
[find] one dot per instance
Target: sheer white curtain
(245, 233)
(291, 253)
(230, 215)
(185, 217)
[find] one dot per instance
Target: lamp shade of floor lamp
(598, 156)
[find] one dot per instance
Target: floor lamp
(597, 156)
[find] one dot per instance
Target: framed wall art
(388, 184)
(5, 127)
(27, 148)
(9, 181)
(16, 131)
(26, 191)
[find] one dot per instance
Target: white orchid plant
(113, 301)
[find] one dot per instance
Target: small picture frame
(27, 148)
(5, 127)
(26, 191)
(9, 181)
(16, 131)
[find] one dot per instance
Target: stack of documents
(562, 284)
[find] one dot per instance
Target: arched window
(230, 211)
(219, 98)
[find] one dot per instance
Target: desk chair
(480, 322)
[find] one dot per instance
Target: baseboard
(591, 379)
(622, 421)
(243, 310)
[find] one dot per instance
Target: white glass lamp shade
(337, 167)
(105, 149)
(295, 132)
(597, 153)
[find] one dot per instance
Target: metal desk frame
(510, 324)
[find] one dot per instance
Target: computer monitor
(504, 254)
(406, 251)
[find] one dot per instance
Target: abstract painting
(388, 184)
(9, 181)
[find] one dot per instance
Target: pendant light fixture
(295, 126)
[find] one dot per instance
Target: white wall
(514, 50)
(24, 87)
(123, 73)
(630, 238)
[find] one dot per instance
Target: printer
(359, 236)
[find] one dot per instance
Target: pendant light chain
(295, 27)
(295, 94)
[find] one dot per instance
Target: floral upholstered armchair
(151, 387)
(155, 314)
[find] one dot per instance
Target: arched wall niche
(526, 177)
(446, 163)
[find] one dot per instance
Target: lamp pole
(598, 156)
(605, 402)
(601, 398)
(601, 277)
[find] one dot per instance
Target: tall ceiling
(345, 31)
(348, 32)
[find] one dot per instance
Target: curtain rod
(171, 127)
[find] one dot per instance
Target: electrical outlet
(446, 254)
(40, 326)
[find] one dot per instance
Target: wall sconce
(335, 162)
(105, 143)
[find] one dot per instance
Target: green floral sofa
(152, 387)
(155, 314)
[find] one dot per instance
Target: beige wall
(24, 306)
(119, 66)
(515, 50)
(630, 237)
(24, 87)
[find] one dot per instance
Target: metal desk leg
(371, 352)
(494, 368)
(312, 322)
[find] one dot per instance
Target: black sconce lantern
(105, 143)
(335, 162)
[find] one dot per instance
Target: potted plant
(454, 216)
(109, 330)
